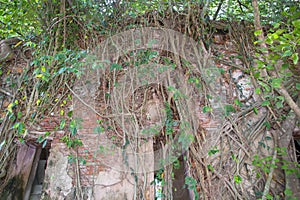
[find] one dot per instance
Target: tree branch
(218, 10)
(241, 5)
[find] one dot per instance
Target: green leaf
(20, 128)
(280, 98)
(116, 67)
(206, 109)
(257, 91)
(40, 139)
(288, 36)
(38, 102)
(288, 192)
(47, 133)
(265, 103)
(258, 32)
(298, 86)
(267, 125)
(262, 144)
(213, 151)
(210, 168)
(191, 182)
(276, 25)
(62, 123)
(39, 76)
(19, 115)
(269, 67)
(16, 125)
(295, 58)
(229, 109)
(43, 69)
(237, 179)
(279, 105)
(255, 110)
(237, 102)
(287, 53)
(268, 137)
(276, 82)
(265, 86)
(296, 23)
(256, 74)
(70, 113)
(83, 161)
(10, 107)
(73, 130)
(284, 66)
(270, 197)
(275, 35)
(279, 31)
(269, 41)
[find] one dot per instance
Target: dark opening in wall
(179, 189)
(36, 179)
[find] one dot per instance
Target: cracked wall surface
(57, 184)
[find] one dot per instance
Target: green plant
(237, 179)
(192, 185)
(70, 139)
(280, 50)
(213, 151)
(265, 165)
(71, 142)
(73, 159)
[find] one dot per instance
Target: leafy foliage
(19, 18)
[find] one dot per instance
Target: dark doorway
(179, 188)
(36, 179)
(180, 191)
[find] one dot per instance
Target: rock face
(57, 181)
